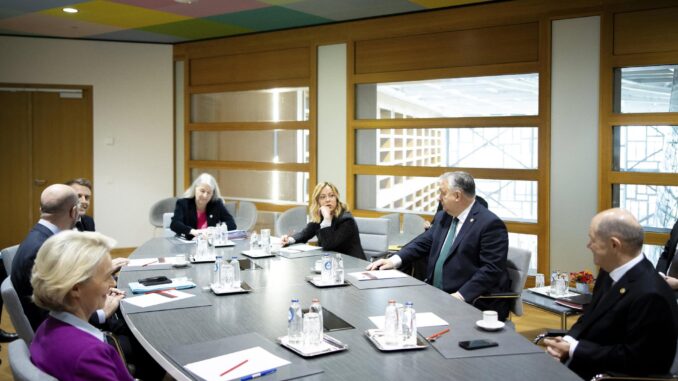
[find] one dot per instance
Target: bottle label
(290, 314)
(328, 265)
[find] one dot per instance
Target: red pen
(149, 263)
(236, 366)
(163, 293)
(436, 335)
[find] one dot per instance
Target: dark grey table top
(265, 311)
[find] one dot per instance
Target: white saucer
(482, 324)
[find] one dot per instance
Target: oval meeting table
(205, 326)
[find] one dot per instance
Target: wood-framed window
(639, 117)
(418, 108)
(250, 122)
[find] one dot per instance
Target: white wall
(132, 103)
(332, 116)
(574, 140)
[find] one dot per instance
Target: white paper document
(299, 248)
(157, 297)
(378, 274)
(145, 262)
(236, 365)
(424, 319)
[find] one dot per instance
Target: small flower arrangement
(583, 276)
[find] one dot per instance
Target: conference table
(262, 314)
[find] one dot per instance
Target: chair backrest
(373, 236)
(16, 311)
(21, 365)
(291, 221)
(7, 255)
(159, 209)
(413, 225)
(246, 216)
(231, 207)
(517, 265)
(166, 222)
(393, 224)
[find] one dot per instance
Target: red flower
(583, 276)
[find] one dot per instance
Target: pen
(151, 262)
(260, 374)
(436, 335)
(234, 367)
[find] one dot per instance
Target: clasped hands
(557, 347)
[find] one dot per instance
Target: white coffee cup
(490, 317)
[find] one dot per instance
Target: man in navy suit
(83, 188)
(631, 325)
(466, 247)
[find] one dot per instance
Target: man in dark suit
(631, 324)
(466, 247)
(665, 264)
(83, 188)
(59, 211)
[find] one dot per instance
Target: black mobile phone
(155, 280)
(477, 344)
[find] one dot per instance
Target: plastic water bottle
(201, 246)
(391, 323)
(317, 308)
(254, 241)
(236, 272)
(409, 325)
(216, 272)
(295, 333)
(226, 275)
(224, 232)
(326, 272)
(554, 278)
(339, 269)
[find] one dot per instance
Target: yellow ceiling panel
(116, 14)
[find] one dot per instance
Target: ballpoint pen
(436, 335)
(234, 367)
(151, 262)
(260, 374)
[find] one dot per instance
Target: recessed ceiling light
(186, 1)
(70, 10)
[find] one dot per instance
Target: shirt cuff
(396, 260)
(573, 344)
(102, 316)
(325, 224)
(290, 240)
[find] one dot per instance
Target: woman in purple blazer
(72, 277)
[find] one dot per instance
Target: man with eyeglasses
(83, 188)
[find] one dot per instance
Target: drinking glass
(312, 332)
(539, 280)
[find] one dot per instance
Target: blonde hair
(64, 260)
(314, 206)
(207, 179)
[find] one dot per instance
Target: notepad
(152, 299)
(378, 274)
(299, 248)
(258, 360)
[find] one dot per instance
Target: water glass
(561, 286)
(539, 280)
(313, 334)
(265, 240)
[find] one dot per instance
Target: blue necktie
(444, 253)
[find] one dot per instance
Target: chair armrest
(549, 333)
(617, 377)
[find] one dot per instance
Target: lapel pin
(210, 216)
(472, 219)
(622, 291)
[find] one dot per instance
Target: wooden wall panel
(251, 67)
(483, 46)
(648, 31)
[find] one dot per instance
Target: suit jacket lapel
(616, 293)
(465, 227)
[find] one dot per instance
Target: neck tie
(444, 253)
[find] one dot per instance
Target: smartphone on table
(477, 344)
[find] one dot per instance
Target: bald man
(631, 325)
